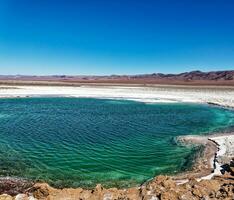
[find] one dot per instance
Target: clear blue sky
(115, 36)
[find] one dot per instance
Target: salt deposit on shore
(220, 96)
(225, 151)
(214, 157)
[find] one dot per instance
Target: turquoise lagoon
(79, 142)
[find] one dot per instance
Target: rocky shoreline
(160, 188)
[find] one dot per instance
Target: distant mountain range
(193, 77)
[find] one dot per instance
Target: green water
(81, 142)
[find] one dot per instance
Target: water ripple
(82, 142)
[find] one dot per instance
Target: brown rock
(6, 197)
(161, 188)
(170, 195)
(133, 193)
(41, 191)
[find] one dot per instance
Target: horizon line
(138, 74)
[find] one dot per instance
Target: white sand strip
(223, 97)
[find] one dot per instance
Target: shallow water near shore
(79, 142)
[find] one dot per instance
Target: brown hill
(187, 78)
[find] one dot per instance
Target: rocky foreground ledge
(161, 188)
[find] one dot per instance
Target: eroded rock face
(161, 188)
(6, 197)
(14, 186)
(45, 192)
